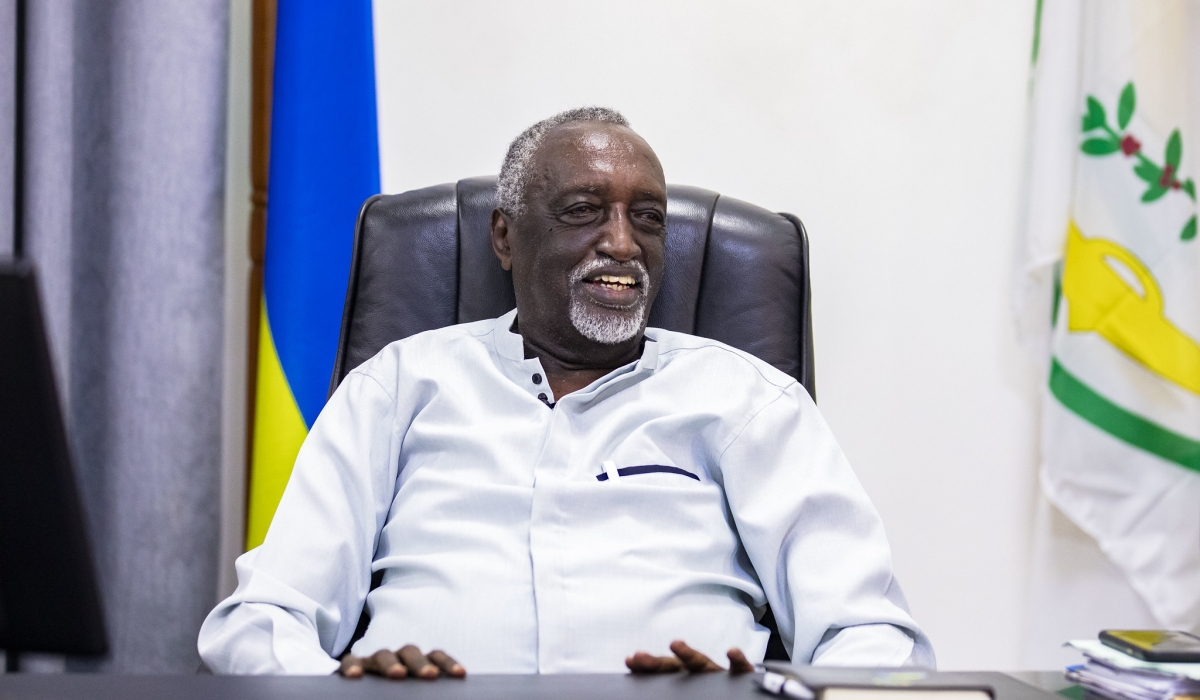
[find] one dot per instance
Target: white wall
(894, 130)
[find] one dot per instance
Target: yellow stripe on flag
(279, 430)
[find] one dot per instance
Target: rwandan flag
(324, 163)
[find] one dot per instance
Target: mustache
(633, 268)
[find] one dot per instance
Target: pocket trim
(649, 469)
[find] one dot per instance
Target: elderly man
(556, 488)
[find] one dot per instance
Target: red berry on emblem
(1168, 176)
(1130, 145)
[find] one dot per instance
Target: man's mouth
(608, 300)
(616, 282)
(617, 287)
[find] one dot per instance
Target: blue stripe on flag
(324, 163)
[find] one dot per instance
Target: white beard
(608, 326)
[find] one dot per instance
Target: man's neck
(569, 370)
(567, 378)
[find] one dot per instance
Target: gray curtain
(7, 64)
(125, 148)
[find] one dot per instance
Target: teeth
(614, 279)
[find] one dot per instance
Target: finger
(449, 666)
(738, 663)
(417, 663)
(384, 663)
(641, 662)
(352, 666)
(693, 661)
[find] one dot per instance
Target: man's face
(587, 253)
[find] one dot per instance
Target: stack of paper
(1116, 675)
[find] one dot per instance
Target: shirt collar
(512, 347)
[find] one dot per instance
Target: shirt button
(537, 379)
(542, 397)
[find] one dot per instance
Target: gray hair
(514, 173)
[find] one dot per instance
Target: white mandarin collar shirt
(522, 532)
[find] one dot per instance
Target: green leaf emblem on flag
(1159, 179)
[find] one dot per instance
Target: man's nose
(618, 242)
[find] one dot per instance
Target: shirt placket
(547, 535)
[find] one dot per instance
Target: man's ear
(501, 244)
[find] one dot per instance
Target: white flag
(1108, 284)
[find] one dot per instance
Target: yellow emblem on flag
(1099, 299)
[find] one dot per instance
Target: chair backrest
(423, 259)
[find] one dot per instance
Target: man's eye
(651, 217)
(579, 211)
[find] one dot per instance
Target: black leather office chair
(734, 272)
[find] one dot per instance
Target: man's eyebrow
(590, 188)
(650, 194)
(569, 191)
(597, 189)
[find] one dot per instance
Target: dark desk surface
(480, 687)
(1052, 681)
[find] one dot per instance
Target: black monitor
(49, 600)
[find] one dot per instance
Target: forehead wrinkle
(598, 153)
(606, 161)
(595, 183)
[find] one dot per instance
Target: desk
(1050, 681)
(479, 687)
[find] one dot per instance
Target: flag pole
(262, 69)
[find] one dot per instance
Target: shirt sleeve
(300, 594)
(816, 541)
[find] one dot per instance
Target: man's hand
(686, 658)
(408, 661)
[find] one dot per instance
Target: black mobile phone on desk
(1161, 646)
